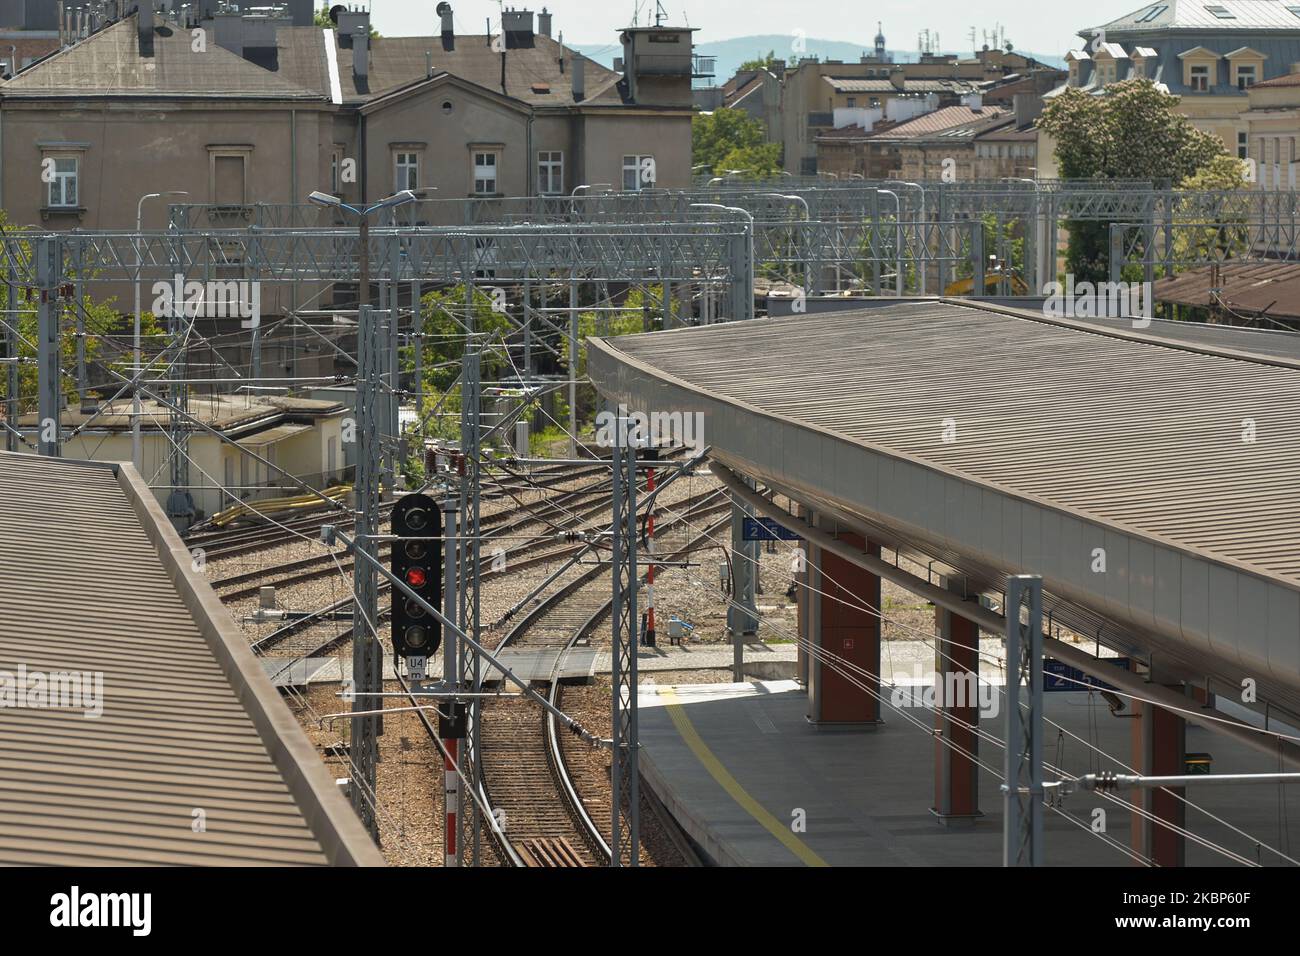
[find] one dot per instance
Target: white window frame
(635, 168)
(481, 182)
(56, 192)
(1243, 145)
(550, 172)
(1198, 82)
(406, 170)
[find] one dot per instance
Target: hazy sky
(1046, 26)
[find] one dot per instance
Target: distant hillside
(731, 53)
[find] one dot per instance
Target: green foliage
(103, 323)
(771, 63)
(1132, 132)
(443, 343)
(728, 139)
(1222, 173)
(322, 19)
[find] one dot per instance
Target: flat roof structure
(136, 726)
(996, 441)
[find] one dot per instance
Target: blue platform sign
(1061, 676)
(766, 529)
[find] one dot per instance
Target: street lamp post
(136, 453)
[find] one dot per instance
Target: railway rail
(525, 777)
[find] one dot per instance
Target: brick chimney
(448, 31)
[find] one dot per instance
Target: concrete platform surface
(754, 784)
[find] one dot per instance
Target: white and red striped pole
(650, 571)
(451, 800)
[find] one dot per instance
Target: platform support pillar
(802, 572)
(1159, 750)
(742, 615)
(844, 648)
(956, 713)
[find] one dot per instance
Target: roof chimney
(144, 29)
(361, 52)
(544, 23)
(517, 28)
(578, 69)
(448, 31)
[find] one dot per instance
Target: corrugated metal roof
(1144, 435)
(1068, 438)
(85, 586)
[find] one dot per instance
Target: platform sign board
(1059, 676)
(766, 529)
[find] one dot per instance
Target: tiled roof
(1289, 79)
(532, 74)
(843, 84)
(109, 62)
(947, 121)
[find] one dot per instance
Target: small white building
(301, 436)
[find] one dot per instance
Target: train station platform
(754, 784)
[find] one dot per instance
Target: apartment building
(812, 91)
(240, 108)
(1210, 55)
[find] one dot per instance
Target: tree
(1132, 132)
(770, 63)
(322, 19)
(728, 139)
(104, 346)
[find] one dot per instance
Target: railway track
(518, 559)
(233, 542)
(558, 510)
(525, 776)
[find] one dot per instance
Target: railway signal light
(417, 560)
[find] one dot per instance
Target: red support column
(846, 634)
(956, 716)
(1159, 749)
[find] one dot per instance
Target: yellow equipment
(992, 285)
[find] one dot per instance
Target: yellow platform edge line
(729, 783)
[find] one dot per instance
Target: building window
(63, 186)
(550, 173)
(1245, 76)
(228, 183)
(1243, 146)
(638, 173)
(1200, 79)
(406, 171)
(851, 102)
(485, 173)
